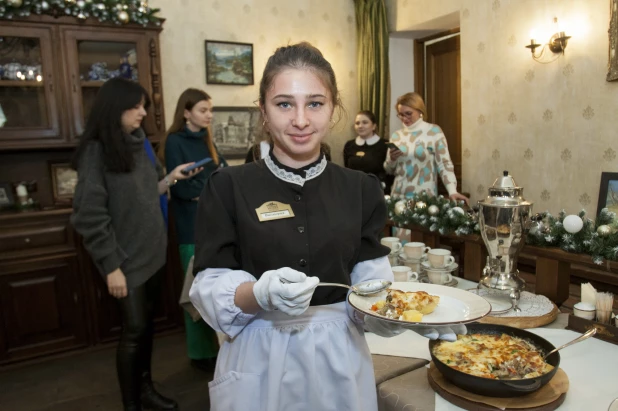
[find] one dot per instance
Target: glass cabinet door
(28, 109)
(94, 58)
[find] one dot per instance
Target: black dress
(338, 217)
(369, 159)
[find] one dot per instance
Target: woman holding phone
(421, 153)
(116, 210)
(189, 140)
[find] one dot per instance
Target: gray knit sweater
(119, 215)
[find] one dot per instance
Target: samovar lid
(505, 192)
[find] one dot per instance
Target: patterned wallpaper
(550, 124)
(329, 25)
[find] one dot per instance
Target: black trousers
(134, 353)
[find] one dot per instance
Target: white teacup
(392, 242)
(403, 274)
(439, 277)
(414, 266)
(415, 250)
(440, 258)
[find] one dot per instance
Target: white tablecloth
(592, 365)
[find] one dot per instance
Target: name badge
(274, 210)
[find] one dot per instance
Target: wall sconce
(557, 43)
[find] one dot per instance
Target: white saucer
(427, 267)
(499, 301)
(452, 283)
(403, 257)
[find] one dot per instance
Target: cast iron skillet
(500, 388)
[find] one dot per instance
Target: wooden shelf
(21, 83)
(92, 83)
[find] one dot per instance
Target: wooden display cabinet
(48, 63)
(52, 299)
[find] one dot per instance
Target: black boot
(152, 400)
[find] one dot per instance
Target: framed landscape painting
(608, 192)
(234, 130)
(229, 63)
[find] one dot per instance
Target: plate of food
(420, 303)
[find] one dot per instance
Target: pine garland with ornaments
(571, 233)
(438, 214)
(115, 11)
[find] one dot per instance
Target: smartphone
(198, 164)
(392, 146)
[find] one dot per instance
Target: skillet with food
(496, 360)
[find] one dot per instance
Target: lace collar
(370, 141)
(292, 175)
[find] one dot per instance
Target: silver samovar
(504, 219)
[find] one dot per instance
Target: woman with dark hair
(189, 139)
(367, 151)
(267, 233)
(117, 211)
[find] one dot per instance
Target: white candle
(21, 191)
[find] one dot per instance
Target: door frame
(419, 58)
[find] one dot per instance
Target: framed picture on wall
(64, 180)
(229, 63)
(608, 192)
(234, 130)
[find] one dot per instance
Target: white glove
(388, 329)
(292, 299)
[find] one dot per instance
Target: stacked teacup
(412, 254)
(395, 245)
(439, 266)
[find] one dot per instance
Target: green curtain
(372, 55)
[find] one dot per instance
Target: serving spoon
(363, 289)
(582, 337)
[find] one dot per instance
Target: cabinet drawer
(28, 239)
(35, 234)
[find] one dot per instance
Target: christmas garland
(571, 233)
(116, 11)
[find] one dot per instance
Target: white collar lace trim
(293, 178)
(370, 141)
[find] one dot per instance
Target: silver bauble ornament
(81, 4)
(45, 5)
(604, 230)
(420, 205)
(15, 3)
(433, 210)
(387, 197)
(573, 223)
(81, 16)
(400, 207)
(123, 16)
(101, 6)
(459, 210)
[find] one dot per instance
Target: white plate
(499, 301)
(427, 267)
(456, 306)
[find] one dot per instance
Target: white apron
(318, 361)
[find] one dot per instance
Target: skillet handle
(534, 385)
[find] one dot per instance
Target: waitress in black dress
(267, 232)
(367, 151)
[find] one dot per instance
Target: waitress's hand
(394, 153)
(457, 197)
(117, 284)
(388, 329)
(176, 173)
(292, 298)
